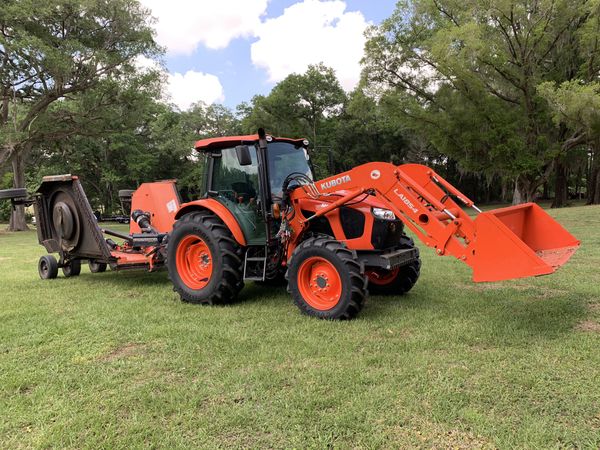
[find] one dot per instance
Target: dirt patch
(588, 326)
(124, 351)
(436, 438)
(594, 307)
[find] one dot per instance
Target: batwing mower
(262, 217)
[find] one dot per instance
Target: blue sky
(226, 51)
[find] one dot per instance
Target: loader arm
(514, 242)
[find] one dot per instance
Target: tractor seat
(243, 190)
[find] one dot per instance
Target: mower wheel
(204, 260)
(13, 193)
(48, 267)
(325, 280)
(72, 268)
(96, 267)
(396, 281)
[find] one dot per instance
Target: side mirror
(243, 155)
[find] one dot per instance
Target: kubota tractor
(262, 217)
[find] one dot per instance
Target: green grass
(115, 360)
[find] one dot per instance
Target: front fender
(220, 211)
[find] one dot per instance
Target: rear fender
(209, 204)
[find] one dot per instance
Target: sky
(226, 51)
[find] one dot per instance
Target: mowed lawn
(114, 360)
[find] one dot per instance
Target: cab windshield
(284, 159)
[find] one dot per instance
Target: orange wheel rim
(381, 278)
(319, 283)
(194, 262)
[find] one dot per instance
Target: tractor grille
(386, 233)
(353, 222)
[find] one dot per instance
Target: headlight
(384, 214)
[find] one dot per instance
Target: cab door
(237, 187)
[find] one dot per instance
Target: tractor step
(255, 264)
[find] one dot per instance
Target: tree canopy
(501, 97)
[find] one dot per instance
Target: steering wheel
(228, 194)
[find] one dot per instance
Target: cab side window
(233, 181)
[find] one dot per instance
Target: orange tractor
(263, 217)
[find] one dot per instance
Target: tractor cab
(246, 174)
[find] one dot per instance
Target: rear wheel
(96, 266)
(325, 280)
(396, 281)
(48, 267)
(204, 260)
(72, 268)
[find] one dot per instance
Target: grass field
(114, 360)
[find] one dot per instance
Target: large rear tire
(204, 260)
(396, 281)
(325, 279)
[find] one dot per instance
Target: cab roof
(231, 141)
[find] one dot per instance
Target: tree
(142, 140)
(468, 71)
(211, 120)
(576, 106)
(54, 51)
(368, 131)
(300, 105)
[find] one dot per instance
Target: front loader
(263, 218)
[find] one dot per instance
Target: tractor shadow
(507, 314)
(504, 314)
(127, 278)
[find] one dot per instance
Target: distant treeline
(500, 97)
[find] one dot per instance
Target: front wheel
(397, 281)
(204, 260)
(325, 280)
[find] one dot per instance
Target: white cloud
(184, 24)
(310, 32)
(192, 86)
(183, 90)
(144, 63)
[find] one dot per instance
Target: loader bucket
(519, 241)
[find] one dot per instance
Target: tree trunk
(560, 184)
(593, 187)
(505, 193)
(524, 191)
(17, 216)
(546, 193)
(595, 199)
